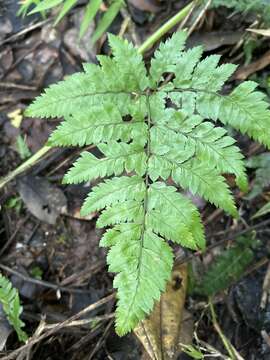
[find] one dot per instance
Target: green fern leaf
(144, 265)
(113, 191)
(147, 133)
(167, 56)
(227, 267)
(239, 111)
(165, 205)
(9, 298)
(95, 126)
(205, 180)
(258, 7)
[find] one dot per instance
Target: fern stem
(24, 166)
(166, 27)
(145, 201)
(223, 338)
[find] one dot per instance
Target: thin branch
(43, 283)
(51, 332)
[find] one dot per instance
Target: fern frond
(112, 82)
(244, 109)
(143, 142)
(166, 205)
(126, 211)
(119, 157)
(258, 7)
(9, 298)
(144, 266)
(227, 267)
(167, 55)
(205, 180)
(100, 124)
(113, 191)
(211, 144)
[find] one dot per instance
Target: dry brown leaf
(161, 332)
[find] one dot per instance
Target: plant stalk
(24, 166)
(148, 43)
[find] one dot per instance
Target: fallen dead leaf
(169, 324)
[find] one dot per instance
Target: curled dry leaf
(169, 324)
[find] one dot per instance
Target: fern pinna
(150, 130)
(10, 302)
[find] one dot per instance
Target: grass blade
(65, 9)
(90, 12)
(107, 19)
(45, 5)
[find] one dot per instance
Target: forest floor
(51, 254)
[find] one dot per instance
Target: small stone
(84, 47)
(50, 35)
(5, 27)
(26, 69)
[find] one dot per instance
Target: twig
(7, 85)
(87, 273)
(166, 27)
(265, 288)
(43, 282)
(82, 322)
(180, 260)
(199, 17)
(101, 340)
(12, 237)
(26, 165)
(187, 17)
(32, 342)
(25, 31)
(26, 53)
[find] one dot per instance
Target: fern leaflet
(9, 298)
(123, 109)
(227, 268)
